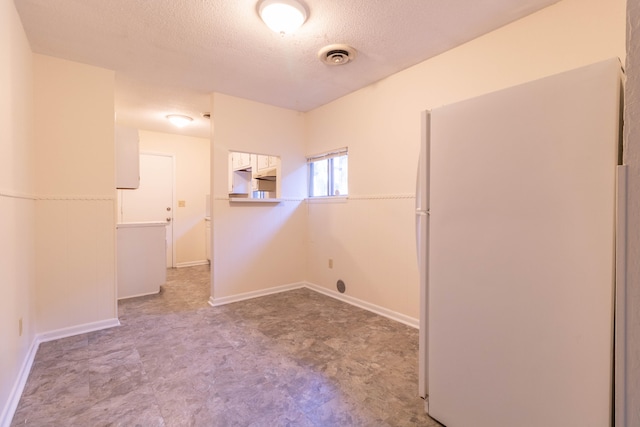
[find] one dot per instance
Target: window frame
(329, 156)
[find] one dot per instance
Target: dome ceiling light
(282, 16)
(179, 120)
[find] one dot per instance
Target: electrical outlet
(330, 262)
(20, 327)
(182, 203)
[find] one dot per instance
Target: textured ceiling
(169, 55)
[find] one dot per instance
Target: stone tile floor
(297, 358)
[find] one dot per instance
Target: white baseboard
(215, 302)
(18, 387)
(139, 295)
(390, 314)
(192, 263)
(77, 330)
(16, 391)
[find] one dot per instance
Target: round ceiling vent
(337, 54)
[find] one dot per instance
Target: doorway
(153, 200)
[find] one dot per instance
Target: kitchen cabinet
(127, 142)
(241, 161)
(239, 173)
(266, 162)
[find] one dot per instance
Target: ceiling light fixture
(282, 16)
(179, 120)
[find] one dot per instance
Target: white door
(521, 253)
(153, 200)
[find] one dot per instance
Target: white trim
(16, 195)
(381, 196)
(385, 312)
(292, 199)
(192, 263)
(215, 302)
(241, 199)
(328, 154)
(77, 330)
(18, 386)
(77, 198)
(252, 200)
(73, 197)
(139, 295)
(342, 199)
(141, 224)
(327, 199)
(9, 410)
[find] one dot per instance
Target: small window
(328, 174)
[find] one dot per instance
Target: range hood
(266, 174)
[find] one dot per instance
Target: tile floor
(296, 358)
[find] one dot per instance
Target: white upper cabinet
(241, 161)
(266, 162)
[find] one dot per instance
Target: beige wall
(75, 183)
(17, 203)
(257, 246)
(192, 156)
(371, 238)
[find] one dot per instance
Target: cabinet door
(263, 162)
(240, 161)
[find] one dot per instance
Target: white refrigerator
(516, 208)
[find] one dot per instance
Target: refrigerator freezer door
(521, 253)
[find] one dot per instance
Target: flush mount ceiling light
(337, 54)
(282, 16)
(179, 120)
